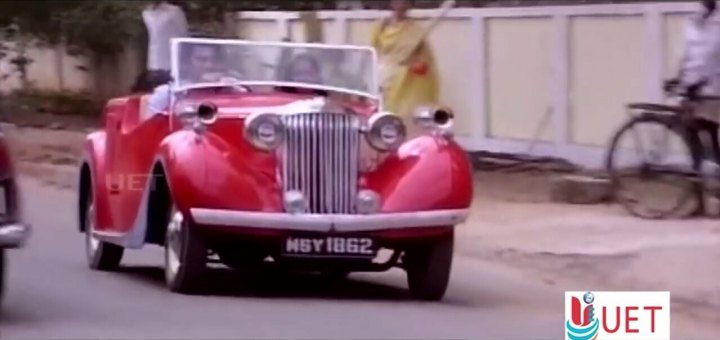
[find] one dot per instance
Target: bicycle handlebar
(694, 98)
(673, 89)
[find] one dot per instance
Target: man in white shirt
(163, 22)
(700, 75)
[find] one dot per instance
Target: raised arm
(181, 24)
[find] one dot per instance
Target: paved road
(52, 294)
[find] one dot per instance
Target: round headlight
(386, 131)
(265, 131)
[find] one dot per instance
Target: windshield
(213, 62)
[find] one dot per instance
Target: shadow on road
(277, 284)
(13, 316)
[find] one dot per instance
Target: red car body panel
(423, 175)
(95, 159)
(219, 169)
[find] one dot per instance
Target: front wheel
(185, 254)
(652, 168)
(335, 275)
(100, 255)
(428, 268)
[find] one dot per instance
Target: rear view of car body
(13, 233)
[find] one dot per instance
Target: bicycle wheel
(650, 179)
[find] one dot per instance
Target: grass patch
(54, 102)
(59, 109)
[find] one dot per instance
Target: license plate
(329, 246)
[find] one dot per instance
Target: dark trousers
(703, 140)
(704, 145)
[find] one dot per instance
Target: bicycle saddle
(655, 107)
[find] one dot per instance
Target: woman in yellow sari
(408, 74)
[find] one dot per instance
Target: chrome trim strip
(14, 235)
(330, 222)
(371, 95)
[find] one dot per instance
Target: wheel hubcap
(92, 242)
(173, 248)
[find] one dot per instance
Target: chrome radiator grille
(320, 159)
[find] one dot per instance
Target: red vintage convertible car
(13, 233)
(273, 152)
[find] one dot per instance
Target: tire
(185, 254)
(334, 275)
(428, 268)
(100, 255)
(684, 202)
(240, 261)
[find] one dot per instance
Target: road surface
(52, 294)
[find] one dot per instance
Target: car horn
(435, 119)
(198, 116)
(207, 113)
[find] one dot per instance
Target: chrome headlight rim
(265, 131)
(379, 128)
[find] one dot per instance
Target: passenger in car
(303, 68)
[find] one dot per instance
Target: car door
(138, 139)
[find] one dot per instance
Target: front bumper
(14, 235)
(328, 223)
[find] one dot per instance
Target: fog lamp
(367, 202)
(295, 202)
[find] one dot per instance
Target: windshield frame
(175, 66)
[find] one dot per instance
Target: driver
(202, 63)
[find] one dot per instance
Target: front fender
(94, 167)
(204, 171)
(426, 173)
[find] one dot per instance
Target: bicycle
(671, 120)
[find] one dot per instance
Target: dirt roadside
(571, 246)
